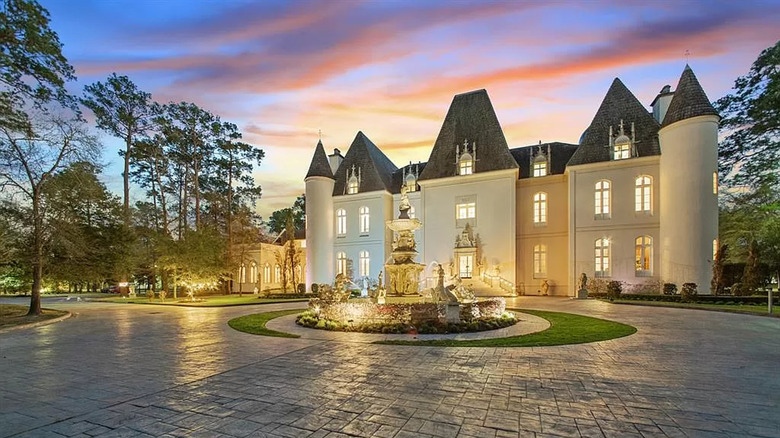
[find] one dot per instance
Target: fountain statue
(403, 272)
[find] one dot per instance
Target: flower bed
(311, 320)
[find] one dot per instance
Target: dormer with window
(622, 145)
(540, 162)
(353, 180)
(410, 174)
(466, 159)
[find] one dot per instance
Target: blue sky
(283, 70)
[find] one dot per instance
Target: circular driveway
(142, 370)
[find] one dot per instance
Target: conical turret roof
(470, 118)
(689, 100)
(618, 104)
(319, 163)
(376, 170)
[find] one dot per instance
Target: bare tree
(28, 159)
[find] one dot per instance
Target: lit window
(411, 212)
(715, 249)
(364, 220)
(411, 183)
(352, 187)
(341, 222)
(540, 208)
(242, 273)
(643, 191)
(341, 263)
(277, 274)
(602, 199)
(467, 210)
(466, 165)
(540, 261)
(540, 168)
(644, 256)
(365, 264)
(465, 264)
(253, 273)
(602, 258)
(267, 273)
(622, 151)
(714, 183)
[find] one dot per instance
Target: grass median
(255, 323)
(12, 315)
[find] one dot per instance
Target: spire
(689, 100)
(319, 163)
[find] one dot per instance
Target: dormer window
(540, 166)
(353, 180)
(466, 160)
(540, 161)
(623, 146)
(411, 183)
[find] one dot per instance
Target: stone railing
(499, 282)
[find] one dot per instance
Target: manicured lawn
(731, 308)
(565, 328)
(12, 315)
(255, 323)
(212, 301)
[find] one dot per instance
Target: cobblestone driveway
(122, 370)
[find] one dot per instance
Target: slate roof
(560, 153)
(470, 117)
(398, 175)
(319, 163)
(619, 103)
(689, 100)
(376, 170)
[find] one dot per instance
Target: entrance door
(465, 264)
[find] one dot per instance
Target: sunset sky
(284, 70)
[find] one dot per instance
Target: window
(411, 183)
(365, 264)
(341, 263)
(540, 208)
(644, 256)
(540, 168)
(714, 183)
(466, 165)
(465, 263)
(411, 212)
(352, 186)
(622, 151)
(602, 199)
(364, 220)
(466, 210)
(602, 258)
(242, 273)
(277, 274)
(253, 273)
(643, 191)
(267, 273)
(714, 249)
(341, 222)
(540, 261)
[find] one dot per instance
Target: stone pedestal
(452, 313)
(582, 294)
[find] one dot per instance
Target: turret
(319, 219)
(688, 171)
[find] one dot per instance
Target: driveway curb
(39, 323)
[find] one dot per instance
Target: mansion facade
(636, 200)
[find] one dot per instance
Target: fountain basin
(404, 224)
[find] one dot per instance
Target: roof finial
(319, 131)
(687, 54)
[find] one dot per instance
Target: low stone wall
(416, 313)
(490, 308)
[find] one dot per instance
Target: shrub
(689, 292)
(597, 286)
(649, 287)
(149, 294)
(739, 290)
(301, 288)
(670, 289)
(315, 288)
(614, 289)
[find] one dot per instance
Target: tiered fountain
(404, 273)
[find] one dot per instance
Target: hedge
(700, 299)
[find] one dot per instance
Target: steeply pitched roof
(689, 100)
(376, 170)
(398, 175)
(560, 153)
(319, 163)
(618, 104)
(470, 117)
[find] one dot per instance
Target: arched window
(540, 166)
(714, 183)
(341, 263)
(622, 148)
(540, 208)
(253, 273)
(352, 185)
(644, 256)
(603, 199)
(411, 183)
(267, 273)
(603, 267)
(540, 261)
(277, 274)
(714, 250)
(643, 194)
(466, 164)
(365, 264)
(411, 212)
(242, 273)
(363, 219)
(341, 222)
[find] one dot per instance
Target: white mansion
(635, 200)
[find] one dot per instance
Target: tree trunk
(126, 175)
(196, 185)
(37, 261)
